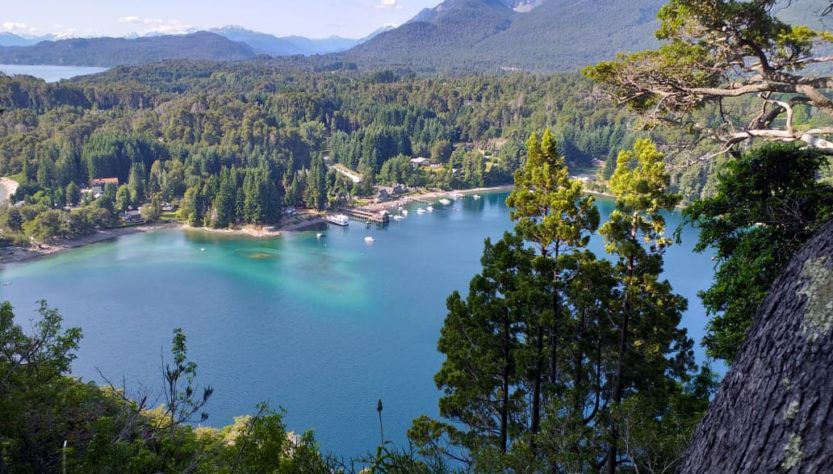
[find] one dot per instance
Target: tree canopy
(718, 50)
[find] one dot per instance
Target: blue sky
(312, 18)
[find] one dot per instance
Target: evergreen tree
(482, 377)
(651, 347)
(73, 194)
(317, 184)
(552, 213)
(123, 201)
(223, 203)
(767, 204)
(136, 183)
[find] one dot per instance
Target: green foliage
(767, 204)
(738, 55)
(50, 421)
(557, 360)
(234, 143)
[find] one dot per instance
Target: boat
(445, 201)
(476, 196)
(338, 219)
(420, 211)
(405, 212)
(456, 195)
(430, 208)
(320, 235)
(369, 240)
(398, 217)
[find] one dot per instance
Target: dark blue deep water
(321, 327)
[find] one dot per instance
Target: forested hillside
(224, 141)
(487, 35)
(542, 36)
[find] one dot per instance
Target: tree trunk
(774, 409)
(619, 383)
(504, 406)
(536, 390)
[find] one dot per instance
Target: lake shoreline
(13, 254)
(429, 195)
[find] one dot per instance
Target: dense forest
(235, 143)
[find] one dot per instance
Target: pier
(378, 217)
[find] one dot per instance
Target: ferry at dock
(338, 219)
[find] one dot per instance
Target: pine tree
(224, 201)
(483, 379)
(649, 312)
(552, 212)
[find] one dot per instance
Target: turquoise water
(49, 73)
(322, 327)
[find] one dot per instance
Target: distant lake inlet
(49, 73)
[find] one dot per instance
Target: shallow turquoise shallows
(321, 326)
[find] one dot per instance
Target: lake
(49, 73)
(323, 327)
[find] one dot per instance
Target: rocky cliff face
(774, 409)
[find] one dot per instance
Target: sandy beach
(429, 195)
(264, 232)
(22, 254)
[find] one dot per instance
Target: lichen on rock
(792, 410)
(792, 452)
(818, 314)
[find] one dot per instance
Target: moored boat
(338, 219)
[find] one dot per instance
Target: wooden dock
(381, 217)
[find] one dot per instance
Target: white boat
(420, 211)
(369, 240)
(476, 196)
(398, 217)
(445, 201)
(405, 212)
(319, 235)
(338, 219)
(430, 208)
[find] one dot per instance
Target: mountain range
(457, 35)
(544, 35)
(106, 52)
(226, 43)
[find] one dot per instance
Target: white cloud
(389, 5)
(156, 25)
(18, 28)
